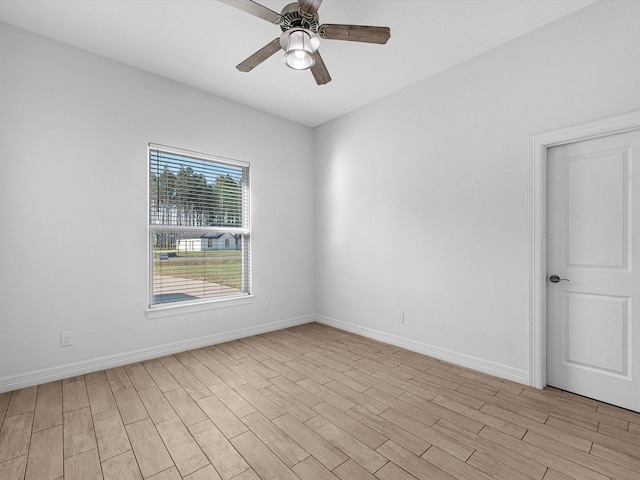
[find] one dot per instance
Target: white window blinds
(198, 227)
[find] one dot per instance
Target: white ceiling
(199, 43)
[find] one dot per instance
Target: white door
(593, 241)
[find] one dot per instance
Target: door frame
(538, 146)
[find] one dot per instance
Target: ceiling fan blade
(309, 6)
(319, 70)
(355, 33)
(260, 56)
(255, 9)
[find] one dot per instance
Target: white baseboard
(38, 377)
(46, 375)
(485, 366)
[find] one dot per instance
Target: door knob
(556, 279)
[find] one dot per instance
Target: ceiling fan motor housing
(292, 18)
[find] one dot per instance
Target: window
(194, 201)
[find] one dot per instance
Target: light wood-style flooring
(314, 403)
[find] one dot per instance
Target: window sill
(173, 310)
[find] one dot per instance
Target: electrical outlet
(400, 318)
(66, 339)
(267, 306)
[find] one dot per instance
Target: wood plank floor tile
(311, 469)
(185, 358)
(122, 467)
(627, 461)
(391, 472)
(189, 382)
(509, 457)
(204, 374)
(74, 396)
(436, 410)
(22, 401)
(282, 445)
(406, 386)
(184, 450)
(185, 406)
(5, 398)
(259, 401)
(232, 400)
(111, 435)
(287, 402)
(624, 436)
(329, 396)
(416, 466)
(150, 452)
(85, 466)
(389, 430)
(130, 406)
(307, 438)
(428, 434)
(15, 436)
(223, 357)
(347, 378)
(553, 475)
(451, 465)
(156, 405)
(403, 407)
(533, 452)
(352, 425)
(13, 469)
(495, 468)
(309, 401)
(118, 378)
(307, 372)
(259, 367)
(571, 410)
(218, 368)
(356, 397)
(265, 463)
(169, 474)
(614, 442)
(100, 397)
(504, 404)
(224, 418)
(170, 361)
(45, 455)
(284, 370)
(296, 391)
(79, 434)
(95, 377)
(206, 473)
(249, 375)
(351, 446)
(547, 429)
(350, 470)
(139, 376)
(163, 379)
(480, 416)
(227, 461)
(584, 459)
(48, 412)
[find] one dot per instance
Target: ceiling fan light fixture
(299, 45)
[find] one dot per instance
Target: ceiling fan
(301, 36)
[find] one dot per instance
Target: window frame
(157, 309)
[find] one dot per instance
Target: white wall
(74, 129)
(441, 169)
